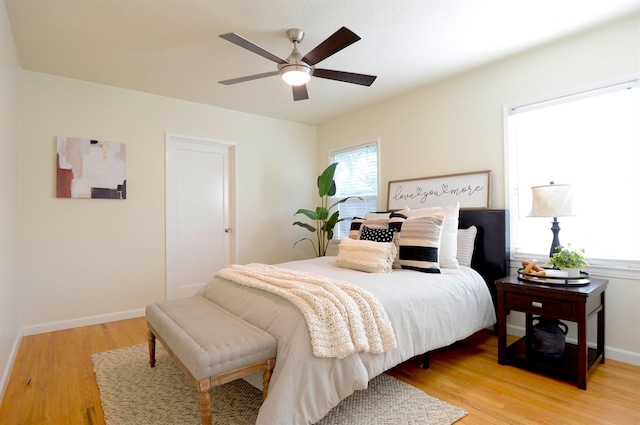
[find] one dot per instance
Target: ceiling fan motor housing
(298, 72)
(295, 35)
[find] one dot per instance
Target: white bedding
(342, 318)
(427, 311)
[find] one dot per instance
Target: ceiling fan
(297, 70)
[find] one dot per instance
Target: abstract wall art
(91, 169)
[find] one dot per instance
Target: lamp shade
(554, 200)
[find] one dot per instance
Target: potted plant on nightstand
(570, 260)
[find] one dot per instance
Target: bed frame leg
(425, 360)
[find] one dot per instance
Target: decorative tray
(582, 280)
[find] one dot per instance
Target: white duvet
(427, 311)
(342, 317)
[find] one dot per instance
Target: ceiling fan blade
(243, 42)
(337, 41)
(347, 77)
(248, 78)
(300, 92)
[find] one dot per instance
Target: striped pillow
(449, 237)
(396, 220)
(354, 230)
(395, 225)
(419, 243)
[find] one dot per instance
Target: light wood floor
(53, 383)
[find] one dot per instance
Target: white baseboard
(622, 355)
(85, 321)
(609, 352)
(6, 373)
(58, 326)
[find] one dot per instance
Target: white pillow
(377, 216)
(466, 242)
(449, 237)
(366, 256)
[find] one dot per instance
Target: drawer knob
(536, 304)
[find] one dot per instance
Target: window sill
(620, 269)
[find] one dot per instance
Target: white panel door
(198, 212)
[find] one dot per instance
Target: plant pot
(572, 272)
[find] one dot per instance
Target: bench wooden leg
(266, 377)
(204, 402)
(151, 339)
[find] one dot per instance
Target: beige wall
(456, 126)
(84, 258)
(9, 95)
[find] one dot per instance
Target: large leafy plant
(324, 220)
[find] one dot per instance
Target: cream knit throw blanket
(342, 318)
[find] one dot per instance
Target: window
(589, 138)
(356, 175)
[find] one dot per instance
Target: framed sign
(472, 190)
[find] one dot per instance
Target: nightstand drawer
(538, 305)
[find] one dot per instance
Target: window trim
(372, 142)
(601, 267)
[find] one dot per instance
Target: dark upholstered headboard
(491, 252)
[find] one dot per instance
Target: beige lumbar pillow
(366, 256)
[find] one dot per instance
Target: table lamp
(552, 200)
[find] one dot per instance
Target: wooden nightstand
(572, 303)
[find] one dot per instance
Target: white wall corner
(6, 373)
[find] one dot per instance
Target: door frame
(232, 214)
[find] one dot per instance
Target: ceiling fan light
(296, 75)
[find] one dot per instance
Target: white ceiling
(172, 48)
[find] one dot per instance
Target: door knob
(227, 229)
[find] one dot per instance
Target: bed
(426, 311)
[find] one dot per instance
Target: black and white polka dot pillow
(376, 235)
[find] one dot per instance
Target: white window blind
(590, 139)
(356, 175)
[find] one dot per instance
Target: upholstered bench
(211, 345)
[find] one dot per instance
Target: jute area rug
(132, 393)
